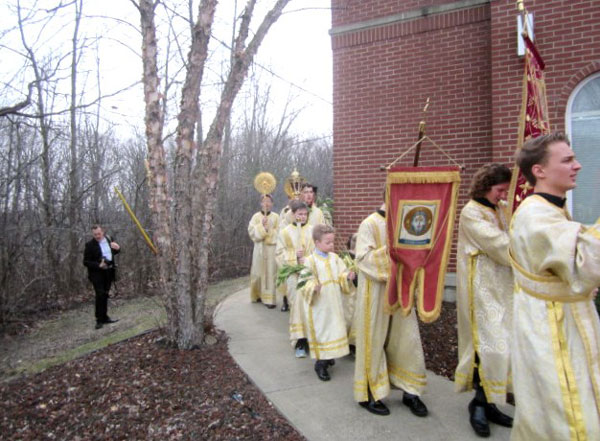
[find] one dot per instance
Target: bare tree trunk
(207, 173)
(74, 206)
(157, 170)
(185, 242)
(191, 329)
(47, 203)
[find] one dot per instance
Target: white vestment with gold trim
(484, 290)
(263, 271)
(400, 361)
(327, 332)
(291, 239)
(556, 332)
(316, 216)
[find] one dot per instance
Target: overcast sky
(295, 56)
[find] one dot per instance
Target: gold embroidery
(565, 373)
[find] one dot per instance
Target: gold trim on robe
(327, 334)
(382, 359)
(263, 271)
(290, 239)
(556, 334)
(483, 301)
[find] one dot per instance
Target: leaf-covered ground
(139, 389)
(440, 342)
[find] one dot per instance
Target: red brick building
(390, 55)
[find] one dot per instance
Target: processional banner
(420, 212)
(533, 120)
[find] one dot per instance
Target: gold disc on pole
(265, 183)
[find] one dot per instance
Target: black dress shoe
(331, 362)
(285, 307)
(494, 415)
(478, 420)
(321, 370)
(99, 325)
(375, 407)
(414, 403)
(270, 306)
(109, 320)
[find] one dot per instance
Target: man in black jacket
(98, 257)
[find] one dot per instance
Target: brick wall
(567, 36)
(382, 78)
(465, 61)
(352, 11)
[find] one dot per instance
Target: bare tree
(74, 196)
(184, 225)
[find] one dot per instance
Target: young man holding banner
(556, 332)
(388, 348)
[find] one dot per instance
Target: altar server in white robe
(484, 285)
(556, 331)
(262, 229)
(327, 280)
(294, 243)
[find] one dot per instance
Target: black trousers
(101, 283)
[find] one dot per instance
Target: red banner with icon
(420, 212)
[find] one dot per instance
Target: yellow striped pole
(137, 222)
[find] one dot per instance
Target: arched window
(583, 126)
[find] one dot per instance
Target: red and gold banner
(420, 211)
(533, 120)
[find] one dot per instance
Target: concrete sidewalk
(326, 410)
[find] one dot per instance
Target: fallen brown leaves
(440, 342)
(140, 389)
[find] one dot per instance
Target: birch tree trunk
(184, 238)
(157, 169)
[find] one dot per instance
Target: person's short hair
(314, 187)
(267, 195)
(96, 226)
(535, 151)
(321, 230)
(486, 177)
(296, 205)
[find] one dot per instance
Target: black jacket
(92, 257)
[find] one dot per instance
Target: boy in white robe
(556, 332)
(327, 280)
(262, 229)
(294, 242)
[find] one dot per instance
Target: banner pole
(137, 222)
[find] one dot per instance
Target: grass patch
(72, 335)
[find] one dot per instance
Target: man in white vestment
(484, 285)
(262, 230)
(556, 332)
(315, 214)
(388, 347)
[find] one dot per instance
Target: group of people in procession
(527, 322)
